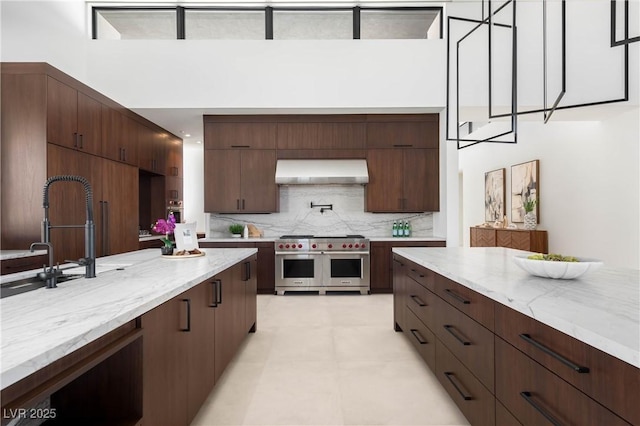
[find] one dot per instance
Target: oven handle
(342, 253)
(285, 253)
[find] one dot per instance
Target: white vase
(530, 221)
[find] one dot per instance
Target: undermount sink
(31, 283)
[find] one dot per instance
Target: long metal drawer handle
(449, 328)
(417, 300)
(214, 301)
(529, 398)
(464, 396)
(457, 296)
(188, 315)
(575, 367)
(418, 336)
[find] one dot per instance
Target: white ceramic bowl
(555, 269)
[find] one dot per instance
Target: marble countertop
(401, 239)
(149, 237)
(601, 308)
(44, 325)
(273, 239)
(18, 254)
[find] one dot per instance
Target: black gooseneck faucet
(89, 261)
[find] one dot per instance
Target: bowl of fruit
(556, 266)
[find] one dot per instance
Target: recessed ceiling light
(198, 141)
(187, 135)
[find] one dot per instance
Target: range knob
(281, 246)
(287, 246)
(350, 245)
(313, 246)
(362, 245)
(357, 245)
(299, 245)
(330, 246)
(344, 246)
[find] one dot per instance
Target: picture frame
(494, 195)
(525, 185)
(186, 236)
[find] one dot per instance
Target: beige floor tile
(328, 360)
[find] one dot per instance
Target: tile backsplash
(297, 217)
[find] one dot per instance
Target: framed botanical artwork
(524, 187)
(494, 207)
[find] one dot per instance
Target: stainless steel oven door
(297, 271)
(347, 271)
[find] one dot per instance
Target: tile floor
(327, 360)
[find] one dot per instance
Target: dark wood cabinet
(190, 339)
(412, 187)
(505, 368)
(119, 136)
(403, 131)
(381, 261)
(240, 181)
(521, 239)
(152, 149)
(228, 132)
(115, 204)
(321, 132)
(74, 120)
(21, 264)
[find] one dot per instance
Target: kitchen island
(511, 347)
(44, 326)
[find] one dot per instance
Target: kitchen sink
(31, 283)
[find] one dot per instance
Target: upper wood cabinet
(403, 180)
(240, 181)
(174, 167)
(403, 131)
(322, 132)
(152, 149)
(74, 120)
(256, 134)
(119, 136)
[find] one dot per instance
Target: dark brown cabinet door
(399, 292)
(381, 276)
(230, 317)
(119, 136)
(222, 181)
(266, 268)
(384, 192)
(62, 113)
(120, 213)
(165, 362)
(226, 135)
(174, 158)
(200, 345)
(403, 131)
(421, 180)
(250, 279)
(74, 120)
(321, 134)
(259, 191)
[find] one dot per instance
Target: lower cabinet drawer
(536, 396)
(421, 301)
(469, 341)
(504, 417)
(477, 306)
(422, 338)
(422, 276)
(601, 376)
(474, 400)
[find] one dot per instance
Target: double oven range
(314, 263)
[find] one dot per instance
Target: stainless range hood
(321, 172)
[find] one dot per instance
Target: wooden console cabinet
(521, 239)
(504, 368)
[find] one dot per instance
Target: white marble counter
(238, 240)
(150, 237)
(18, 254)
(400, 239)
(44, 325)
(602, 308)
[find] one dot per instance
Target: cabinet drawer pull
(214, 296)
(81, 145)
(240, 146)
(417, 300)
(397, 261)
(75, 140)
(457, 297)
(219, 295)
(243, 204)
(237, 204)
(418, 336)
(578, 369)
(402, 145)
(188, 315)
(529, 398)
(416, 272)
(459, 388)
(449, 328)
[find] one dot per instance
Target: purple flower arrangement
(166, 227)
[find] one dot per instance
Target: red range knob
(344, 246)
(357, 245)
(350, 245)
(362, 245)
(299, 245)
(281, 246)
(330, 246)
(313, 246)
(287, 246)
